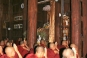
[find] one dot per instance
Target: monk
(9, 44)
(62, 47)
(43, 43)
(2, 43)
(75, 49)
(5, 40)
(1, 51)
(22, 49)
(64, 44)
(18, 41)
(26, 45)
(39, 53)
(11, 52)
(52, 52)
(68, 53)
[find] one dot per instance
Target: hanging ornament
(46, 8)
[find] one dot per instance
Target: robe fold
(32, 56)
(51, 54)
(60, 46)
(22, 51)
(5, 56)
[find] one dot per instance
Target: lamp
(22, 5)
(56, 0)
(9, 28)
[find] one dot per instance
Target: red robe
(0, 55)
(5, 56)
(32, 56)
(60, 46)
(22, 51)
(42, 45)
(51, 54)
(77, 56)
(31, 51)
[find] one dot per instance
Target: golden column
(52, 22)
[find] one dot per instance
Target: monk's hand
(45, 54)
(27, 48)
(56, 43)
(1, 50)
(15, 47)
(56, 51)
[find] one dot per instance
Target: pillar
(84, 12)
(10, 18)
(32, 22)
(57, 21)
(1, 14)
(75, 23)
(52, 22)
(61, 24)
(25, 17)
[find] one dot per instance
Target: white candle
(66, 22)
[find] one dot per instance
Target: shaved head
(10, 52)
(73, 45)
(68, 53)
(40, 51)
(64, 42)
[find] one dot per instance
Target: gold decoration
(4, 25)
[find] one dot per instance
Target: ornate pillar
(84, 12)
(75, 20)
(1, 14)
(52, 22)
(32, 22)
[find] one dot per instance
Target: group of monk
(20, 49)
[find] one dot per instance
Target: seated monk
(39, 53)
(11, 52)
(32, 49)
(18, 41)
(52, 52)
(22, 49)
(64, 44)
(8, 44)
(68, 53)
(26, 45)
(75, 49)
(62, 47)
(5, 40)
(1, 51)
(43, 43)
(2, 43)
